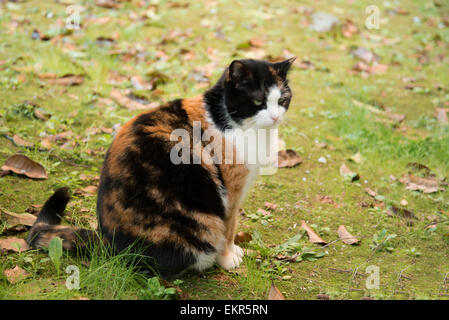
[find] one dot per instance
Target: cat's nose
(275, 117)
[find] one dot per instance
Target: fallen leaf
(18, 141)
(418, 166)
(401, 212)
(140, 84)
(357, 158)
(41, 114)
(37, 35)
(365, 55)
(15, 275)
(87, 191)
(13, 219)
(314, 238)
(13, 244)
(274, 293)
(441, 114)
(21, 164)
(348, 29)
(323, 297)
(378, 68)
(288, 159)
(263, 212)
(348, 174)
(4, 173)
(46, 144)
(109, 4)
(270, 206)
(129, 103)
(426, 185)
(400, 11)
(68, 80)
(256, 42)
(371, 192)
(345, 236)
(304, 65)
(63, 136)
(398, 117)
(242, 237)
(45, 76)
(323, 22)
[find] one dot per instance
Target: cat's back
(143, 194)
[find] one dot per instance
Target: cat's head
(256, 92)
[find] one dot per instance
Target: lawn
(375, 99)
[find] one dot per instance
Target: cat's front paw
(237, 250)
(231, 258)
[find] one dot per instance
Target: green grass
(322, 110)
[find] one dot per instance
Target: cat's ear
(283, 67)
(239, 73)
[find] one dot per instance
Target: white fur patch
(231, 259)
(204, 261)
(272, 115)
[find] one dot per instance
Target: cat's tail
(46, 226)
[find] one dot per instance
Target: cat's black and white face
(257, 93)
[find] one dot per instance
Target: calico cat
(184, 215)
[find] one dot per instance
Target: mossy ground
(323, 110)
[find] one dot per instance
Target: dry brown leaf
(398, 117)
(109, 4)
(21, 164)
(129, 103)
(322, 296)
(274, 293)
(365, 55)
(15, 275)
(87, 191)
(63, 136)
(41, 114)
(348, 29)
(427, 185)
(46, 76)
(140, 84)
(371, 192)
(288, 159)
(401, 212)
(378, 68)
(345, 236)
(441, 114)
(46, 144)
(13, 244)
(313, 237)
(242, 237)
(68, 80)
(4, 173)
(13, 219)
(347, 173)
(18, 141)
(270, 206)
(304, 65)
(257, 42)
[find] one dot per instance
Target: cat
(184, 215)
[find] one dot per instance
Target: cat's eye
(257, 102)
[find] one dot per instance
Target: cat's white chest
(254, 148)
